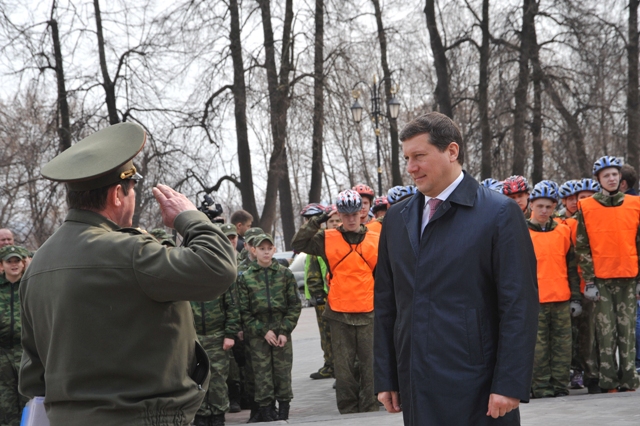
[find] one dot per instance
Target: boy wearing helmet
(558, 291)
(367, 195)
(315, 290)
(607, 249)
(351, 254)
(379, 209)
(517, 188)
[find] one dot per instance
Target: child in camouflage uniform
(270, 308)
(11, 402)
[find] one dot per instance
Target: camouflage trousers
(552, 359)
(325, 337)
(216, 400)
(11, 402)
(352, 356)
(272, 371)
(616, 332)
(585, 348)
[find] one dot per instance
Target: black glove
(320, 300)
(323, 218)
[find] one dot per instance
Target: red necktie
(433, 206)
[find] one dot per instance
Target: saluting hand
(172, 203)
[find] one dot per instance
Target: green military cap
(252, 232)
(228, 229)
(7, 252)
(260, 238)
(99, 160)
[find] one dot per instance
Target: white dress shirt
(442, 196)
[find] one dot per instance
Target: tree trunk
(443, 95)
(483, 94)
(109, 86)
(633, 120)
(286, 206)
(279, 102)
(315, 188)
(520, 112)
(239, 91)
(396, 176)
(64, 127)
(536, 125)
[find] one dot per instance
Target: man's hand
(391, 401)
(172, 203)
(500, 405)
(282, 340)
(228, 344)
(271, 338)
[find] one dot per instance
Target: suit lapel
(412, 215)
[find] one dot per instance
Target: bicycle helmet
(312, 209)
(399, 193)
(364, 191)
(349, 201)
(543, 190)
(569, 188)
(588, 184)
(380, 203)
(552, 184)
(330, 208)
(514, 185)
(492, 184)
(605, 162)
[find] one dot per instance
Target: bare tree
(443, 92)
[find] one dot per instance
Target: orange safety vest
(551, 250)
(375, 226)
(572, 223)
(612, 236)
(351, 271)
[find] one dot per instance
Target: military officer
(108, 334)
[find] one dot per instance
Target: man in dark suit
(456, 303)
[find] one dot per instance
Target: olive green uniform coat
(107, 329)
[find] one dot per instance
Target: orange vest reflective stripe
(551, 250)
(351, 268)
(572, 223)
(612, 236)
(375, 226)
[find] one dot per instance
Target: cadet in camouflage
(11, 402)
(251, 232)
(615, 310)
(217, 323)
(270, 308)
(316, 292)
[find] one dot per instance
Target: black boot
(268, 414)
(202, 421)
(283, 410)
(254, 416)
(235, 393)
(217, 420)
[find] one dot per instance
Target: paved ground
(314, 401)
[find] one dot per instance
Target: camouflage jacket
(268, 299)
(9, 314)
(310, 239)
(583, 249)
(220, 314)
(244, 264)
(572, 264)
(315, 285)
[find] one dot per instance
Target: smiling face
(609, 179)
(13, 268)
(432, 170)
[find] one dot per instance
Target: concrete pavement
(314, 400)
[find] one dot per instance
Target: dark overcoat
(456, 309)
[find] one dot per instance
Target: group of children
(588, 278)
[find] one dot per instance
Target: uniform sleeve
(310, 237)
(250, 323)
(385, 360)
(31, 375)
(294, 307)
(232, 324)
(583, 249)
(574, 277)
(515, 277)
(638, 252)
(201, 270)
(313, 280)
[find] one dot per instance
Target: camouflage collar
(549, 226)
(256, 267)
(609, 200)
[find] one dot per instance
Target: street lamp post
(393, 108)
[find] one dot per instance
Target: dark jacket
(456, 311)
